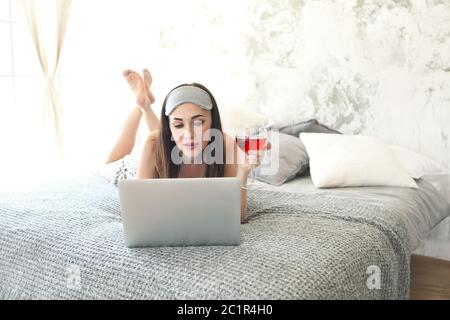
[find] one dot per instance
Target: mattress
(432, 228)
(64, 240)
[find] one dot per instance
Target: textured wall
(376, 67)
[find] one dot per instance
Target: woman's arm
(234, 169)
(241, 170)
(242, 174)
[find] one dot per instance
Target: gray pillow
(293, 160)
(295, 128)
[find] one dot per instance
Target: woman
(189, 111)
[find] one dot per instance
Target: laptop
(180, 212)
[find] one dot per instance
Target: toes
(147, 84)
(131, 77)
(126, 73)
(147, 77)
(151, 98)
(135, 77)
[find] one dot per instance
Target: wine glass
(251, 141)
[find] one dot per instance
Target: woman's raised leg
(127, 137)
(144, 99)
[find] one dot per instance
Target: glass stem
(252, 173)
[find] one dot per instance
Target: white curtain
(47, 21)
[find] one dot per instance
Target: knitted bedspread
(65, 241)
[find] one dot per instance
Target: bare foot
(136, 84)
(147, 84)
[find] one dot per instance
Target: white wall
(374, 67)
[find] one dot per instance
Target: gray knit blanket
(65, 241)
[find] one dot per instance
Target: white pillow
(415, 164)
(338, 160)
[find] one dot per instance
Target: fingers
(254, 158)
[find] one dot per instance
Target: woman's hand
(141, 86)
(243, 169)
(252, 159)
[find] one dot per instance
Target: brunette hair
(165, 168)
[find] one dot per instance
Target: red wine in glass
(251, 141)
(248, 143)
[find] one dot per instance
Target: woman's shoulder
(230, 146)
(231, 158)
(228, 140)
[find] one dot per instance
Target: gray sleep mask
(185, 94)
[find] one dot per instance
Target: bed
(63, 240)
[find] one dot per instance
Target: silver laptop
(180, 212)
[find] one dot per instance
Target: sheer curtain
(47, 22)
